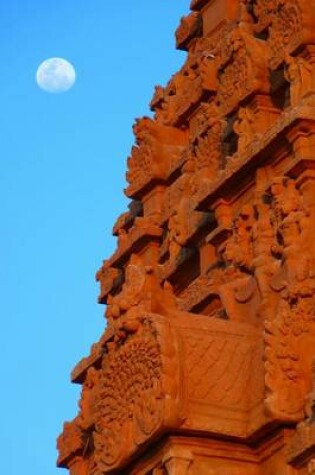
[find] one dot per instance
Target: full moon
(55, 75)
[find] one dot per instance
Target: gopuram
(207, 363)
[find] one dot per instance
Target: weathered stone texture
(206, 365)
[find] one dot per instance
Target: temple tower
(206, 365)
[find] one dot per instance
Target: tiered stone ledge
(254, 155)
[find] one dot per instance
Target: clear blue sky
(63, 160)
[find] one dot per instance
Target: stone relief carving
(303, 440)
(245, 128)
(206, 142)
(286, 30)
(177, 229)
(298, 72)
(130, 395)
(264, 263)
(247, 366)
(141, 293)
(157, 149)
(77, 436)
(182, 218)
(267, 260)
(263, 10)
(196, 80)
(137, 392)
(292, 326)
(242, 71)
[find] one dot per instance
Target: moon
(55, 75)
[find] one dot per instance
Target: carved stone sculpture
(298, 73)
(206, 362)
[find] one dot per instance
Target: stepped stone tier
(206, 365)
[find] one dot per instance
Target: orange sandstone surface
(206, 365)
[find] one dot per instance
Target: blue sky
(63, 160)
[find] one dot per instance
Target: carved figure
(298, 72)
(238, 288)
(243, 235)
(293, 322)
(140, 293)
(177, 230)
(244, 127)
(206, 362)
(286, 198)
(131, 301)
(264, 263)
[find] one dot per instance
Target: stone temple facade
(206, 365)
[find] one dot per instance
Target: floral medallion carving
(137, 393)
